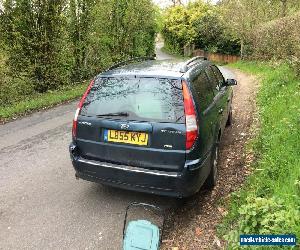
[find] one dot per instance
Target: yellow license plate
(137, 138)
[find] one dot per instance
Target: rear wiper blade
(179, 118)
(114, 114)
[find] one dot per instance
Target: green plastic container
(141, 235)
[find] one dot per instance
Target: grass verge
(41, 101)
(269, 202)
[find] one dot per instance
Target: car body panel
(164, 150)
(177, 184)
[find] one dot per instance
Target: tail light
(74, 128)
(190, 117)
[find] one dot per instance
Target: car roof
(155, 68)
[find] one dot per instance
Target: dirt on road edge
(192, 225)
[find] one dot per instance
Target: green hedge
(45, 45)
(278, 39)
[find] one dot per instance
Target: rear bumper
(176, 184)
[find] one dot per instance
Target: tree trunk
(242, 48)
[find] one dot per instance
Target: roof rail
(185, 67)
(134, 59)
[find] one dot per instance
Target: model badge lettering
(85, 123)
(171, 131)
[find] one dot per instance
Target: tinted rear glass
(146, 99)
(204, 90)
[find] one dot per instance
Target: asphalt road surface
(42, 205)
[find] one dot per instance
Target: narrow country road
(42, 205)
(160, 55)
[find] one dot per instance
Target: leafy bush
(264, 216)
(295, 62)
(176, 30)
(200, 24)
(278, 39)
(14, 89)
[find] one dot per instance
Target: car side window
(203, 90)
(218, 74)
(213, 79)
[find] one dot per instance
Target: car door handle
(220, 111)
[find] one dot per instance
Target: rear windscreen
(146, 99)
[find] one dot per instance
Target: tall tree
(80, 28)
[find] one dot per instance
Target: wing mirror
(230, 82)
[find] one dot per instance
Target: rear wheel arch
(212, 177)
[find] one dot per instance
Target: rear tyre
(211, 180)
(229, 119)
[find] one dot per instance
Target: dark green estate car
(153, 126)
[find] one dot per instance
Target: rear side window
(219, 75)
(144, 99)
(203, 91)
(213, 78)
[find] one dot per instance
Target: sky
(165, 3)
